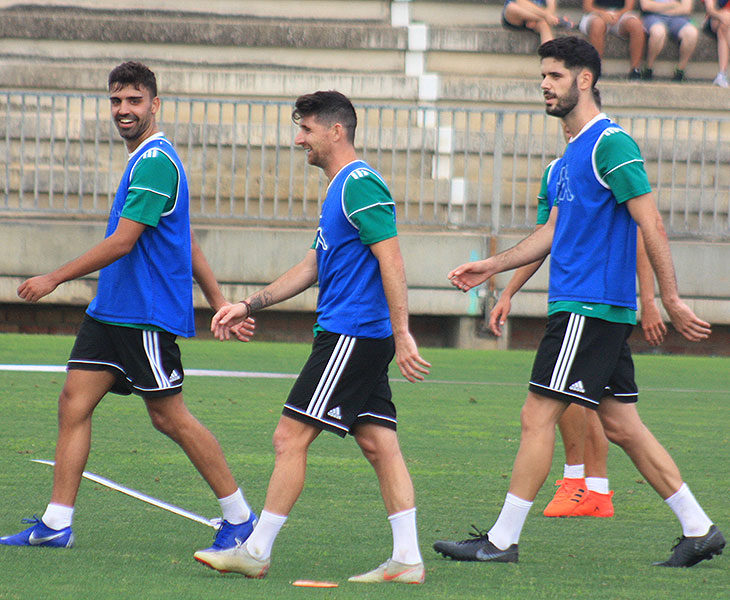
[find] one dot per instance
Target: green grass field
(459, 433)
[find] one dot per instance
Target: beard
(565, 104)
(139, 127)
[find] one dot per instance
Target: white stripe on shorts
(331, 375)
(567, 352)
(151, 341)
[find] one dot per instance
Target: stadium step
(247, 53)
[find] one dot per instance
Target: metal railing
(471, 168)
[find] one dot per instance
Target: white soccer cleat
(392, 570)
(234, 560)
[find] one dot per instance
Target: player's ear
(585, 79)
(155, 105)
(338, 132)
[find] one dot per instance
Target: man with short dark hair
(602, 194)
(126, 343)
(584, 489)
(362, 320)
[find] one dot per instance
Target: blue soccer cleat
(40, 535)
(230, 536)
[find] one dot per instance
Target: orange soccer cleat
(570, 495)
(595, 505)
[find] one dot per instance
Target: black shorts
(344, 382)
(145, 362)
(583, 359)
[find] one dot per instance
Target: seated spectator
(717, 23)
(538, 16)
(662, 17)
(617, 17)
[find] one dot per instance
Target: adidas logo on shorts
(335, 413)
(578, 387)
(174, 376)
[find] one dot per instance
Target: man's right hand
(470, 274)
(233, 318)
(33, 289)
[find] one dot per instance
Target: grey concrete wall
(245, 258)
(702, 276)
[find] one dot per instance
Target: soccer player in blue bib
(362, 321)
(583, 490)
(126, 343)
(602, 194)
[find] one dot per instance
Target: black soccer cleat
(477, 547)
(688, 551)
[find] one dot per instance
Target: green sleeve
(619, 164)
(543, 206)
(152, 189)
(370, 207)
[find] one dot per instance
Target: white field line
(118, 487)
(266, 375)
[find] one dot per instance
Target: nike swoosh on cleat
(33, 540)
(388, 577)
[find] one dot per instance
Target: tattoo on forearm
(261, 300)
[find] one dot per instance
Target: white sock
(693, 519)
(405, 537)
(506, 531)
(235, 508)
(262, 539)
(58, 516)
(574, 471)
(597, 484)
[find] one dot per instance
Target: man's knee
(658, 34)
(292, 436)
(633, 27)
(75, 403)
(688, 35)
(368, 446)
(540, 413)
(377, 443)
(169, 415)
(162, 423)
(620, 426)
(66, 407)
(597, 27)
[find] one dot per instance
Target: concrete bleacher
(423, 51)
(446, 51)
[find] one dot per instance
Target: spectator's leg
(542, 29)
(657, 39)
(597, 34)
(723, 46)
(520, 16)
(631, 27)
(687, 43)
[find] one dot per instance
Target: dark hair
(574, 52)
(135, 74)
(597, 97)
(329, 107)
